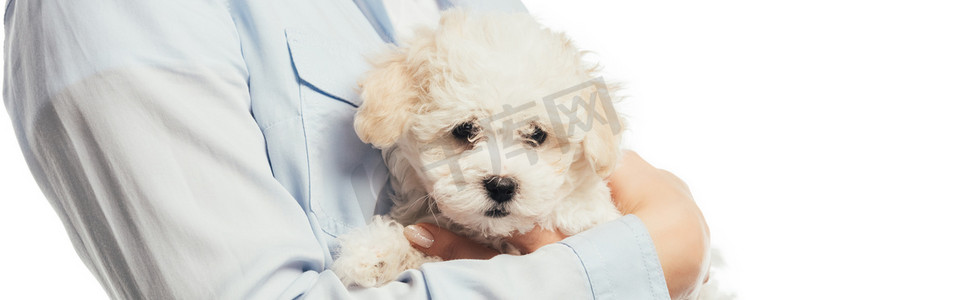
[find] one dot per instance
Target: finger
(436, 241)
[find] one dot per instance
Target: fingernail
(418, 235)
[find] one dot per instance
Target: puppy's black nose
(500, 189)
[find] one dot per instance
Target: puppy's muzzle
(501, 189)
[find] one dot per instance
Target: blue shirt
(204, 149)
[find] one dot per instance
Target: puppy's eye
(464, 131)
(537, 137)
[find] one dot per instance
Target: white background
(826, 141)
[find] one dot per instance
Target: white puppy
(491, 125)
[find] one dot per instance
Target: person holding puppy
(204, 149)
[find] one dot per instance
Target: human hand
(433, 240)
(678, 229)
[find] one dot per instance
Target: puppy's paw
(375, 254)
(587, 209)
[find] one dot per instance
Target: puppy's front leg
(586, 209)
(375, 254)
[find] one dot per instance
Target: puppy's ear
(602, 142)
(389, 96)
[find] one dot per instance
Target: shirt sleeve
(620, 260)
(134, 118)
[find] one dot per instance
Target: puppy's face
(493, 168)
(484, 109)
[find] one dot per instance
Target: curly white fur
(375, 254)
(468, 70)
